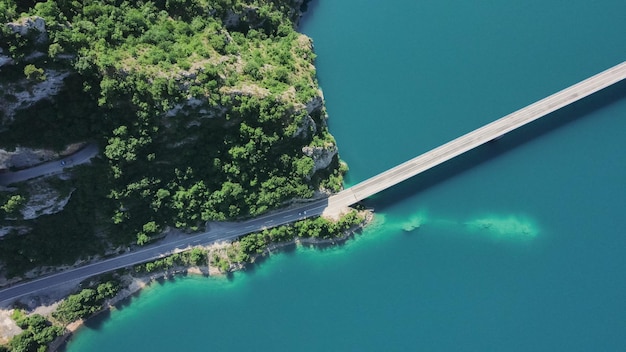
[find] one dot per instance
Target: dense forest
(204, 110)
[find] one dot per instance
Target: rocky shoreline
(133, 283)
(313, 141)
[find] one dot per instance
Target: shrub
(34, 73)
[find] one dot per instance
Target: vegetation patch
(37, 333)
(194, 257)
(202, 111)
(250, 246)
(85, 303)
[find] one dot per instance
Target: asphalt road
(331, 206)
(50, 168)
(216, 232)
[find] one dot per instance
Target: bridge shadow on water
(498, 148)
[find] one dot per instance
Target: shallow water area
(516, 246)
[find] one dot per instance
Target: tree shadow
(287, 249)
(291, 248)
(497, 148)
(96, 321)
(308, 11)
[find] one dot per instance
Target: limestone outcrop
(23, 93)
(35, 26)
(322, 156)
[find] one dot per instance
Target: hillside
(203, 111)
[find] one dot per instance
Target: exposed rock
(34, 56)
(31, 25)
(66, 57)
(322, 156)
(25, 157)
(232, 20)
(183, 142)
(316, 103)
(248, 17)
(43, 200)
(8, 328)
(24, 93)
(5, 59)
(22, 158)
(307, 126)
(196, 106)
(20, 230)
(44, 204)
(246, 89)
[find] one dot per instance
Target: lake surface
(517, 246)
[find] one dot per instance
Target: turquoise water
(516, 246)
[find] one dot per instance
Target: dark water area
(518, 245)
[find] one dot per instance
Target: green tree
(51, 12)
(38, 332)
(8, 11)
(14, 204)
(78, 306)
(304, 166)
(47, 335)
(197, 256)
(161, 197)
(107, 290)
(34, 73)
(151, 228)
(24, 342)
(149, 72)
(35, 322)
(142, 238)
(54, 49)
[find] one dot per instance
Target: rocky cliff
(203, 112)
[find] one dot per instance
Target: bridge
(338, 202)
(475, 138)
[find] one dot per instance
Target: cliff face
(204, 112)
(5, 59)
(34, 26)
(22, 158)
(20, 93)
(23, 93)
(44, 199)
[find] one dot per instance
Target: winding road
(52, 167)
(335, 204)
(217, 232)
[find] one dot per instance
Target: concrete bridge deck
(336, 203)
(475, 138)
